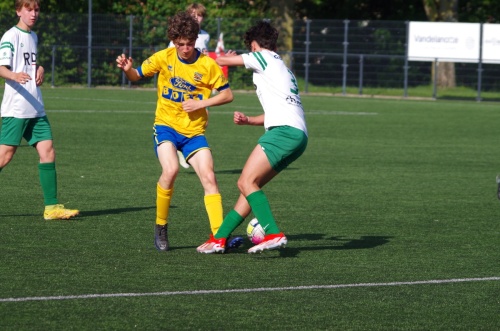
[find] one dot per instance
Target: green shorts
(32, 129)
(283, 145)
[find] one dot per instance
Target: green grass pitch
(391, 215)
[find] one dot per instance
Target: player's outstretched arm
(221, 98)
(230, 59)
(125, 64)
(240, 118)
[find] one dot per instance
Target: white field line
(219, 112)
(247, 290)
(102, 100)
(153, 105)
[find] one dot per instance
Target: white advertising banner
(491, 43)
(446, 42)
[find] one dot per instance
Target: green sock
(230, 223)
(262, 211)
(48, 180)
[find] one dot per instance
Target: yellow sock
(213, 204)
(163, 198)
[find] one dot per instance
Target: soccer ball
(255, 232)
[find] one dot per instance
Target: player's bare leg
(6, 154)
(164, 191)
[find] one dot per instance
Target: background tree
(361, 9)
(483, 11)
(283, 12)
(443, 11)
(468, 10)
(63, 25)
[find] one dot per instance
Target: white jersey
(277, 90)
(18, 51)
(201, 42)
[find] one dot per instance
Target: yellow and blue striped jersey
(178, 81)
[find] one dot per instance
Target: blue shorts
(188, 146)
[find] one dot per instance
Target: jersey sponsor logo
(6, 55)
(29, 58)
(181, 90)
(182, 84)
(179, 96)
(293, 100)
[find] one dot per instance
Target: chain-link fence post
(406, 67)
(89, 47)
(307, 64)
(124, 50)
(361, 66)
(53, 64)
(130, 34)
(344, 65)
(480, 64)
(434, 86)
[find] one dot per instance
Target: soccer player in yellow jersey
(186, 78)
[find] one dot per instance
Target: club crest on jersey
(197, 76)
(293, 100)
(182, 84)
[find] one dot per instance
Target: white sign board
(446, 42)
(491, 43)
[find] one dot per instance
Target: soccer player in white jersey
(22, 111)
(284, 140)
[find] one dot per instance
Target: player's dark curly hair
(182, 25)
(264, 34)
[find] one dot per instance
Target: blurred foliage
(138, 28)
(468, 11)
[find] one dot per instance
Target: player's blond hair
(198, 8)
(19, 4)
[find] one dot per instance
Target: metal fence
(331, 55)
